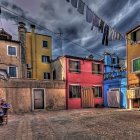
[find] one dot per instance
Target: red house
(84, 80)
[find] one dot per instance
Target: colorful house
(36, 53)
(133, 67)
(115, 81)
(84, 80)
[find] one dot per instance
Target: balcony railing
(115, 75)
(133, 93)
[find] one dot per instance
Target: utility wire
(53, 33)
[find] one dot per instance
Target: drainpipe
(33, 52)
(66, 85)
(22, 39)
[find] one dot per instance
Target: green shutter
(136, 65)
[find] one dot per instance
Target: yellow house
(133, 67)
(38, 54)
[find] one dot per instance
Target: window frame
(135, 40)
(96, 86)
(43, 44)
(94, 72)
(78, 96)
(30, 73)
(132, 61)
(76, 70)
(16, 71)
(12, 47)
(44, 75)
(47, 61)
(115, 60)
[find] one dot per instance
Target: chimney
(33, 28)
(22, 39)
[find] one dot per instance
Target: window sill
(12, 55)
(75, 72)
(46, 62)
(135, 72)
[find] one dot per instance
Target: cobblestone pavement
(85, 124)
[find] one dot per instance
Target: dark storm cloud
(60, 16)
(111, 8)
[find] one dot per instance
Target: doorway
(38, 99)
(87, 97)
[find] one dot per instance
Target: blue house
(115, 81)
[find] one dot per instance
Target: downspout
(128, 106)
(33, 56)
(66, 85)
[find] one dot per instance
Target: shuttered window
(135, 36)
(96, 68)
(138, 36)
(97, 91)
(74, 91)
(136, 65)
(46, 59)
(74, 66)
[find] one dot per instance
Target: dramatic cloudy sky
(60, 16)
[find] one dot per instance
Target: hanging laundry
(68, 0)
(89, 15)
(113, 35)
(105, 35)
(81, 7)
(118, 36)
(101, 26)
(110, 34)
(74, 3)
(95, 21)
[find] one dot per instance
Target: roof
(15, 41)
(79, 58)
(131, 30)
(40, 34)
(4, 33)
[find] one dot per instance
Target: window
(45, 59)
(45, 44)
(114, 60)
(135, 36)
(74, 66)
(12, 50)
(96, 68)
(46, 75)
(74, 91)
(136, 65)
(54, 74)
(12, 71)
(97, 92)
(29, 74)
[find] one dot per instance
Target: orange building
(10, 62)
(133, 67)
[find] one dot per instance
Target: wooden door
(38, 99)
(87, 97)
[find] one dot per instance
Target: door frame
(33, 98)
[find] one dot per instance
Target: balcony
(133, 93)
(115, 75)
